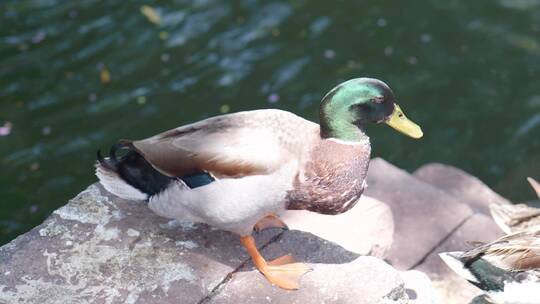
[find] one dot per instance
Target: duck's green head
(356, 102)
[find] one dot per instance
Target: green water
(466, 71)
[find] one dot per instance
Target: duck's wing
(517, 252)
(511, 218)
(535, 185)
(233, 145)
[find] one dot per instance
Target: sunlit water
(77, 75)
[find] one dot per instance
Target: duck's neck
(339, 122)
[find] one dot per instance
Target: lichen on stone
(89, 207)
(53, 229)
(100, 270)
(106, 234)
(173, 224)
(91, 268)
(397, 295)
(187, 244)
(132, 232)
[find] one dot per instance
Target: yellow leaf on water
(105, 75)
(163, 35)
(224, 109)
(141, 100)
(151, 14)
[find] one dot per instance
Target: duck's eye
(400, 115)
(378, 99)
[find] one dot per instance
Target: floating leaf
(273, 98)
(163, 35)
(34, 208)
(329, 54)
(46, 130)
(141, 100)
(38, 37)
(151, 14)
(165, 57)
(34, 166)
(105, 75)
(224, 108)
(6, 129)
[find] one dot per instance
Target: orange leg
(269, 221)
(283, 272)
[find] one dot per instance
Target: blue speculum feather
(197, 179)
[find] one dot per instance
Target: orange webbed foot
(283, 272)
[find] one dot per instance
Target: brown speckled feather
(517, 251)
(517, 217)
(514, 218)
(232, 145)
(535, 185)
(333, 178)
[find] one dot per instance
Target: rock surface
(419, 288)
(102, 249)
(108, 250)
(457, 182)
(479, 227)
(437, 209)
(364, 280)
(423, 214)
(368, 228)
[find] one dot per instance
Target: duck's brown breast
(332, 180)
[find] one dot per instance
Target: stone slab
(360, 280)
(467, 188)
(423, 214)
(101, 249)
(367, 228)
(419, 288)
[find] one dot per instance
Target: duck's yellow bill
(400, 122)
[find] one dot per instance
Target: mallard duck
(236, 170)
(512, 218)
(508, 269)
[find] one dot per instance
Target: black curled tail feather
(133, 169)
(112, 162)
